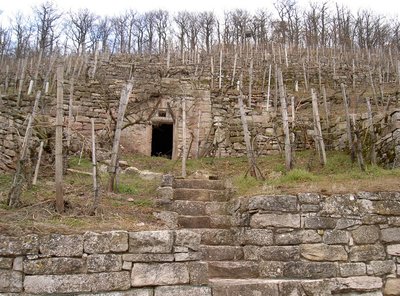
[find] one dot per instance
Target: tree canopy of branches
(319, 24)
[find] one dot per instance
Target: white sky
(114, 7)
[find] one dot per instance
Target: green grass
(296, 176)
(127, 189)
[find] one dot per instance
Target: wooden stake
(269, 86)
(94, 171)
(35, 176)
(184, 148)
(317, 127)
(250, 81)
(220, 70)
(123, 102)
(234, 69)
(285, 121)
(348, 123)
(21, 81)
(305, 76)
(59, 137)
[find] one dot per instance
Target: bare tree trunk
(59, 137)
(220, 70)
(357, 144)
(305, 76)
(184, 148)
(326, 108)
(16, 187)
(349, 133)
(285, 121)
(35, 176)
(269, 86)
(317, 128)
(212, 72)
(94, 170)
(373, 89)
(250, 81)
(21, 81)
(123, 102)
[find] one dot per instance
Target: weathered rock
(367, 253)
(281, 253)
(244, 287)
(182, 290)
(198, 273)
(336, 237)
(28, 244)
(10, 281)
(77, 283)
(309, 198)
(319, 223)
(280, 203)
(233, 269)
(271, 269)
(392, 287)
(148, 257)
(322, 252)
(187, 238)
(113, 241)
(304, 287)
(188, 256)
(222, 253)
(18, 264)
(366, 234)
(276, 220)
(393, 250)
(356, 284)
(104, 262)
(216, 208)
(387, 207)
(6, 263)
(310, 270)
(352, 269)
(54, 266)
(259, 237)
(151, 242)
(345, 223)
(379, 268)
(62, 245)
(216, 236)
(132, 292)
(298, 237)
(158, 274)
(391, 235)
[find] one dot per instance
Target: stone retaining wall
(352, 240)
(149, 263)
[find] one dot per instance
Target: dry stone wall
(148, 263)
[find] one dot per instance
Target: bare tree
(208, 23)
(161, 19)
(22, 31)
(80, 25)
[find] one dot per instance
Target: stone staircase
(207, 207)
(279, 245)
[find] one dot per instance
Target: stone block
(233, 269)
(187, 238)
(98, 243)
(391, 235)
(131, 292)
(393, 250)
(126, 265)
(379, 268)
(151, 241)
(309, 198)
(271, 269)
(28, 244)
(6, 263)
(319, 223)
(352, 269)
(222, 253)
(216, 208)
(18, 264)
(387, 207)
(392, 287)
(159, 274)
(54, 266)
(77, 283)
(367, 253)
(148, 257)
(279, 253)
(336, 237)
(310, 270)
(198, 273)
(188, 256)
(304, 287)
(365, 234)
(10, 281)
(275, 220)
(297, 237)
(322, 252)
(104, 262)
(356, 284)
(245, 287)
(345, 223)
(182, 290)
(62, 245)
(281, 203)
(221, 221)
(258, 237)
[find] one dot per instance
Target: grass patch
(296, 176)
(127, 189)
(245, 185)
(143, 203)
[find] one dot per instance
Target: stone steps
(198, 208)
(222, 253)
(204, 195)
(214, 236)
(268, 287)
(221, 221)
(199, 184)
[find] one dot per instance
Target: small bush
(127, 189)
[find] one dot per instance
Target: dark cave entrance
(162, 140)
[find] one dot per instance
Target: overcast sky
(114, 7)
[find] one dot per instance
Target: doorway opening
(162, 140)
